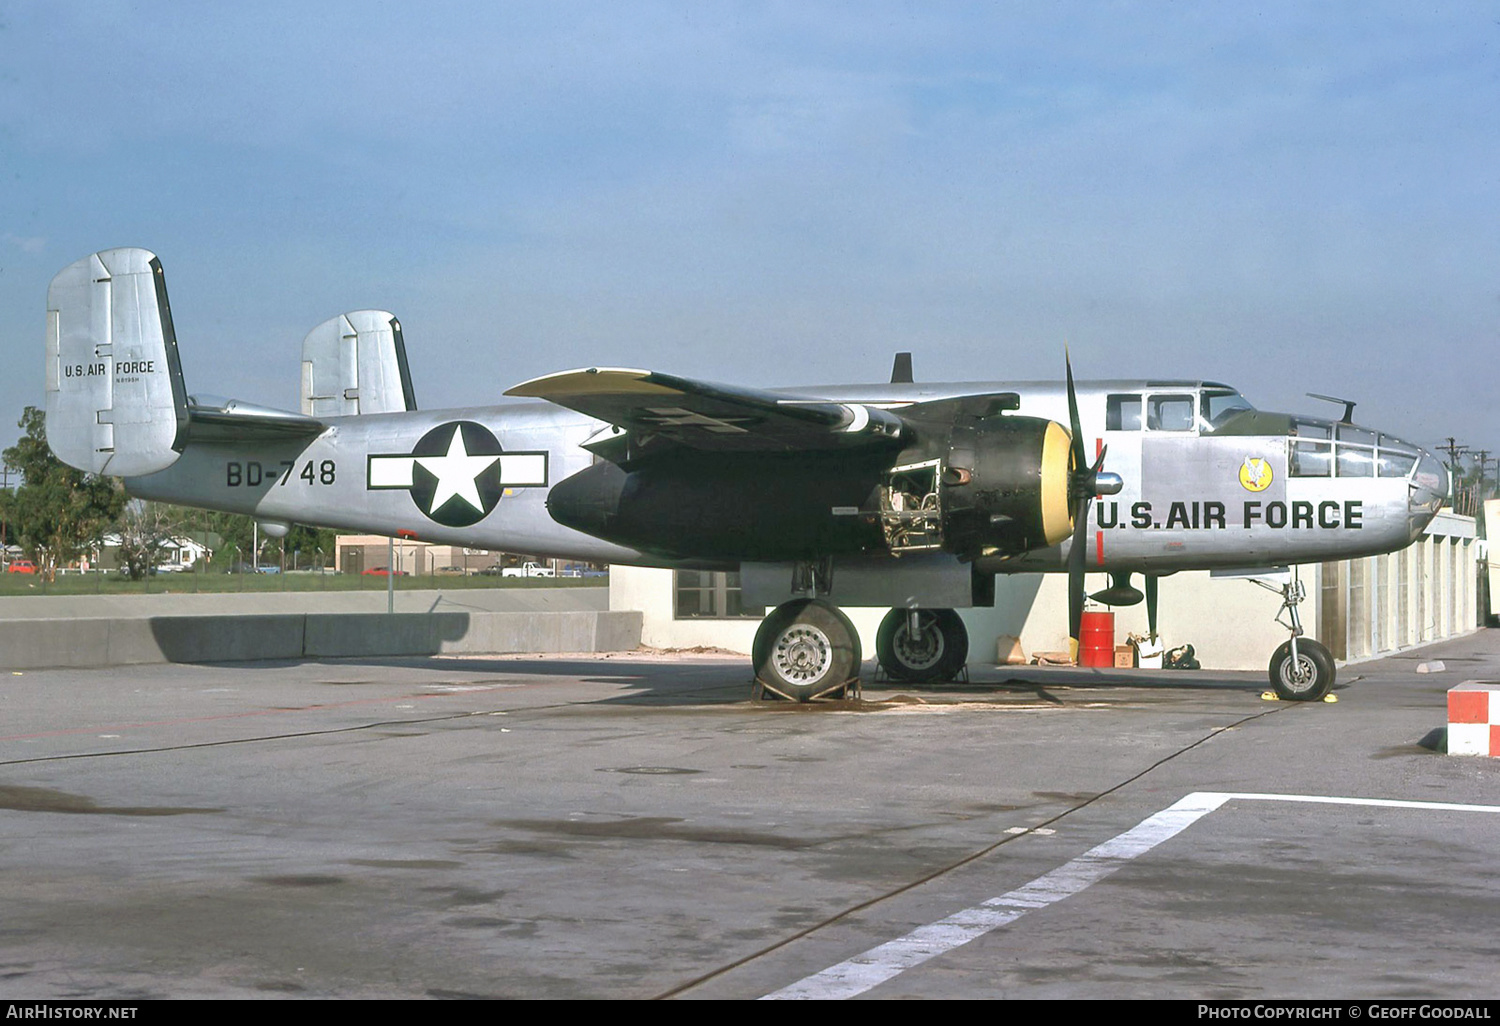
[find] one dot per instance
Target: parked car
(528, 570)
(450, 571)
(21, 566)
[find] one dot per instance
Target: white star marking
(457, 472)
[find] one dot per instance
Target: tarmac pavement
(634, 826)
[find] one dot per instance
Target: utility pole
(1482, 457)
(5, 473)
(1454, 452)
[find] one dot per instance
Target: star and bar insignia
(457, 472)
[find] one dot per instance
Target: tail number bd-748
(1208, 515)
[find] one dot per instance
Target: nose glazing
(1428, 491)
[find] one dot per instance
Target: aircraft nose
(1428, 491)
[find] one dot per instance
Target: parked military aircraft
(911, 496)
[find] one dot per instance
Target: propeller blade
(1076, 557)
(1080, 459)
(1151, 597)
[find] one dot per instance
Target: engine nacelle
(999, 487)
(1005, 486)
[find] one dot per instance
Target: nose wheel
(1303, 675)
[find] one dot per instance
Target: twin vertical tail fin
(116, 403)
(355, 364)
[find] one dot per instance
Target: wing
(644, 408)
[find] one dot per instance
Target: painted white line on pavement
(886, 961)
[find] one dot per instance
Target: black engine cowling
(1004, 486)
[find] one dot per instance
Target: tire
(937, 654)
(1315, 679)
(805, 649)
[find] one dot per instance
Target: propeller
(1084, 482)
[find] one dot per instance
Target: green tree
(145, 529)
(237, 532)
(57, 513)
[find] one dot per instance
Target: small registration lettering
(253, 473)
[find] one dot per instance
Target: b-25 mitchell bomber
(904, 495)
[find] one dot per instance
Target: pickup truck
(528, 570)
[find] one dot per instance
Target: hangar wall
(1360, 608)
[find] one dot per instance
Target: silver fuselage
(1193, 497)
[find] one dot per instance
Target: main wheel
(1309, 679)
(937, 651)
(806, 648)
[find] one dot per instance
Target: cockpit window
(1219, 406)
(1122, 412)
(1170, 412)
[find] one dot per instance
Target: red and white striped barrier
(1474, 718)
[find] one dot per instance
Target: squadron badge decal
(1255, 474)
(457, 472)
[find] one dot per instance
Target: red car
(21, 566)
(384, 571)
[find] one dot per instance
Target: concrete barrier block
(618, 631)
(34, 644)
(125, 641)
(208, 639)
(1474, 718)
(331, 635)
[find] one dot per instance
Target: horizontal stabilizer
(212, 419)
(355, 364)
(115, 398)
(701, 415)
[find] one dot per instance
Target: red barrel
(1096, 642)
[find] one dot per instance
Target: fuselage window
(1355, 462)
(1170, 413)
(1122, 413)
(1396, 464)
(1312, 459)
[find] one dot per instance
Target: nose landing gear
(1301, 669)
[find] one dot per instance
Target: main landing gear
(922, 644)
(807, 649)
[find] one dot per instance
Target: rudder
(355, 364)
(116, 403)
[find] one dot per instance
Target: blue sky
(1290, 197)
